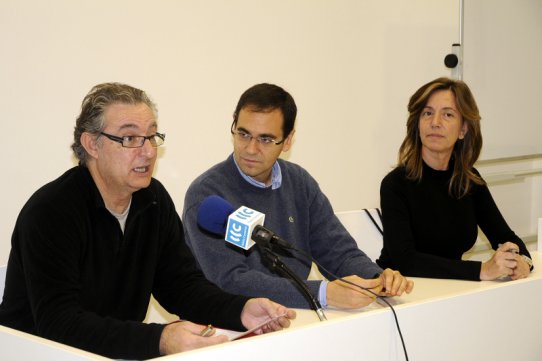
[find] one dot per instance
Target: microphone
(213, 215)
(217, 216)
(262, 234)
(241, 225)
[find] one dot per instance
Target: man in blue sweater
(294, 207)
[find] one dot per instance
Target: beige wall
(350, 64)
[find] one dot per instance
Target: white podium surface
(440, 320)
(16, 345)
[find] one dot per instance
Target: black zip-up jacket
(75, 278)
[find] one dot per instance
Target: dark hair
(266, 98)
(91, 119)
(466, 150)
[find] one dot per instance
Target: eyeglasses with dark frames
(137, 141)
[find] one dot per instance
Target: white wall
(503, 57)
(350, 64)
(502, 65)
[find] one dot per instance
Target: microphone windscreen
(213, 214)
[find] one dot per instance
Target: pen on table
(207, 331)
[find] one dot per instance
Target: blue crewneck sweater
(298, 211)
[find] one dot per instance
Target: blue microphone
(241, 228)
(217, 216)
(213, 215)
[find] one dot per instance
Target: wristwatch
(528, 261)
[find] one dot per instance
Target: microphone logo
(244, 213)
(241, 223)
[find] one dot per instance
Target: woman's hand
(503, 263)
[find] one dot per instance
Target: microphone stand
(279, 266)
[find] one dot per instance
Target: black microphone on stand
(268, 236)
(280, 267)
(244, 228)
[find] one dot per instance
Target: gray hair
(91, 119)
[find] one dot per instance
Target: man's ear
(288, 141)
(90, 143)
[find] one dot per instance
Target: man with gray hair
(90, 247)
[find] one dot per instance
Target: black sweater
(426, 231)
(75, 278)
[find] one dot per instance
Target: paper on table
(234, 335)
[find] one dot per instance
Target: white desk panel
(16, 345)
(440, 319)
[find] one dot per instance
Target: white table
(440, 320)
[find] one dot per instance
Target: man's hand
(184, 336)
(344, 295)
(394, 283)
(260, 310)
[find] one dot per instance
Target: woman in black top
(434, 201)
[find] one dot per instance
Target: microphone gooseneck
(277, 265)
